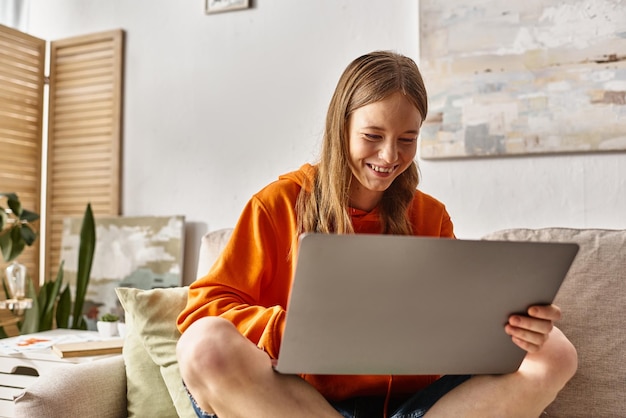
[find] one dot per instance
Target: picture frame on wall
(534, 78)
(218, 6)
(142, 252)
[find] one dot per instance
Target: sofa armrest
(95, 389)
(211, 246)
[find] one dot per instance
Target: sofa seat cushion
(593, 300)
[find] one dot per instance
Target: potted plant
(52, 305)
(121, 328)
(15, 235)
(107, 325)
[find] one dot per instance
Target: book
(88, 348)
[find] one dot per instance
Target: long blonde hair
(323, 205)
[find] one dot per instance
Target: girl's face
(382, 141)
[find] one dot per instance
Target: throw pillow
(143, 399)
(154, 314)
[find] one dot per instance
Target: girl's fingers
(548, 312)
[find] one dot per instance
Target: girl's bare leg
(228, 375)
(525, 393)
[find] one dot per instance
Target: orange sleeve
(246, 285)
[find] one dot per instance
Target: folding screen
(84, 130)
(22, 59)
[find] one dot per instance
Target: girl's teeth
(381, 170)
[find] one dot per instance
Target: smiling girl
(365, 182)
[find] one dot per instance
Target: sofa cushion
(593, 301)
(142, 398)
(154, 314)
(43, 399)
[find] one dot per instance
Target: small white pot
(121, 329)
(107, 329)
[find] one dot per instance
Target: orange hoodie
(249, 284)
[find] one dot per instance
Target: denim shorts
(415, 406)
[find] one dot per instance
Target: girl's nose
(388, 151)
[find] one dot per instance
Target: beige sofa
(145, 382)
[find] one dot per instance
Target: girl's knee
(206, 348)
(564, 358)
(552, 367)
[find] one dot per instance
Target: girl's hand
(531, 332)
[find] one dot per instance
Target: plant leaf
(6, 244)
(18, 243)
(3, 218)
(28, 216)
(28, 235)
(86, 251)
(9, 195)
(14, 203)
(42, 300)
(52, 293)
(30, 323)
(45, 320)
(64, 307)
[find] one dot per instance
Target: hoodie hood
(303, 177)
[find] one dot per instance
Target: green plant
(15, 231)
(109, 317)
(53, 303)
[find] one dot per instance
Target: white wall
(216, 106)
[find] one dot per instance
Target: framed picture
(217, 6)
(143, 252)
(524, 79)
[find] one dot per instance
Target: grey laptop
(382, 304)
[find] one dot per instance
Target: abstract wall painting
(517, 78)
(144, 252)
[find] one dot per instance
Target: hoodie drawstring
(387, 397)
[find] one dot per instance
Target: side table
(19, 370)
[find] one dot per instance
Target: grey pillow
(94, 389)
(593, 300)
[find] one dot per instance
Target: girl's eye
(373, 137)
(408, 140)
